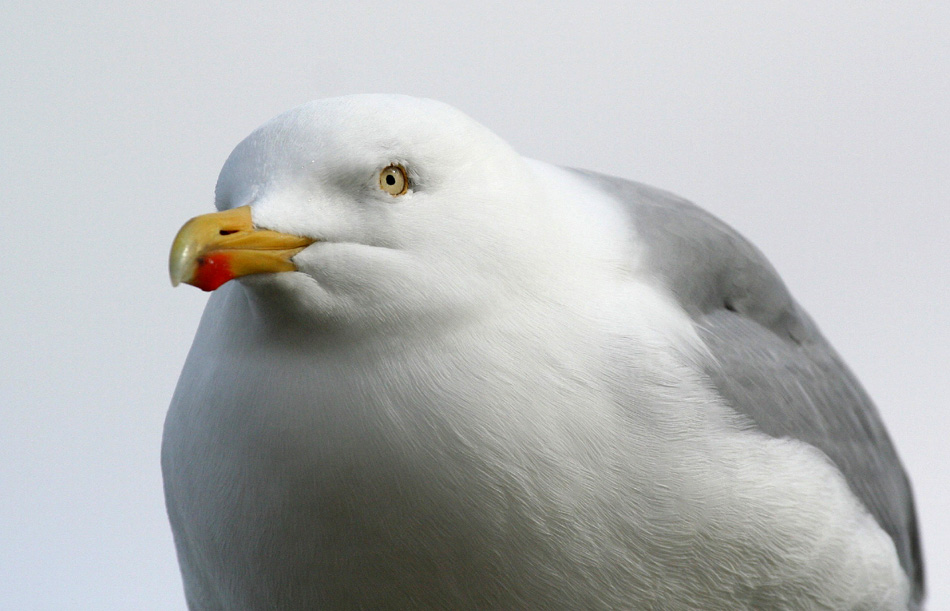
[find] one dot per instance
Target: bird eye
(393, 180)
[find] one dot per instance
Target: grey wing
(771, 362)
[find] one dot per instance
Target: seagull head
(375, 206)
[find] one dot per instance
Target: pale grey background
(820, 130)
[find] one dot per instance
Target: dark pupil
(390, 180)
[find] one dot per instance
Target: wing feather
(770, 362)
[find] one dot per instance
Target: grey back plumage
(770, 362)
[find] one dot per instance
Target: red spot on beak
(214, 269)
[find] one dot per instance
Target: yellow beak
(213, 248)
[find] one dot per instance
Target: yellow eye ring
(393, 180)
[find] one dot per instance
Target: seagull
(436, 374)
